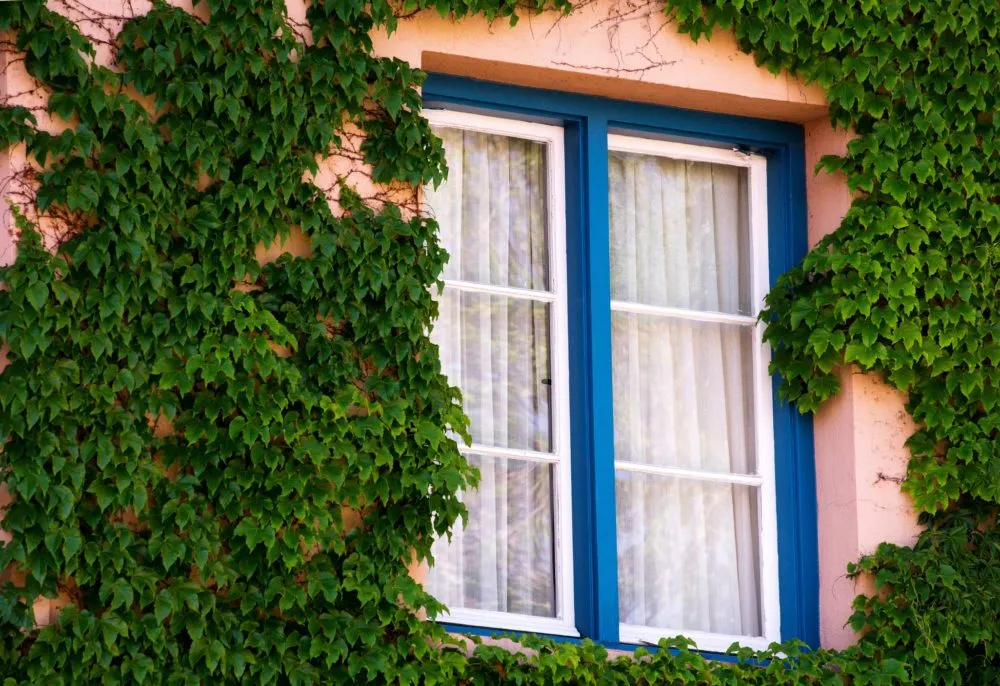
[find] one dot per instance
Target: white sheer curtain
(495, 348)
(687, 546)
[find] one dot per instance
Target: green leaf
(172, 550)
(216, 651)
(71, 543)
(123, 594)
(163, 606)
(37, 293)
(909, 332)
(862, 354)
(820, 340)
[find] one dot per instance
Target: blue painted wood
(795, 473)
(549, 106)
(598, 334)
(587, 121)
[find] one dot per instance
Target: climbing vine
(221, 462)
(907, 287)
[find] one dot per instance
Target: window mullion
(594, 439)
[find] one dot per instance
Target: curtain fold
(495, 348)
(687, 548)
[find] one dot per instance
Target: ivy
(907, 287)
(224, 465)
(265, 537)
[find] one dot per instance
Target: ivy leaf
(802, 311)
(430, 435)
(911, 238)
(216, 651)
(71, 543)
(37, 293)
(862, 354)
(163, 606)
(64, 498)
(172, 550)
(820, 340)
(123, 594)
(909, 332)
(903, 378)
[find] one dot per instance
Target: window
(693, 498)
(502, 334)
(600, 317)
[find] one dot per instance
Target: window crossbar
(510, 453)
(683, 313)
(508, 291)
(694, 474)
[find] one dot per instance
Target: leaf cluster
(907, 287)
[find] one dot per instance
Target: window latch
(745, 151)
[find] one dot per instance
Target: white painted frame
(552, 136)
(763, 479)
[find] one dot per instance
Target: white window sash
(507, 291)
(552, 136)
(763, 480)
(692, 474)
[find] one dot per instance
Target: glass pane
(496, 350)
(680, 233)
(492, 209)
(504, 559)
(683, 393)
(688, 555)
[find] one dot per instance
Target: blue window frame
(587, 121)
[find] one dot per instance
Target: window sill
(495, 636)
(490, 623)
(716, 643)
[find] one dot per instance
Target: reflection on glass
(504, 559)
(679, 233)
(688, 555)
(683, 393)
(496, 350)
(492, 209)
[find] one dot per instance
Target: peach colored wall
(613, 48)
(6, 239)
(627, 50)
(860, 437)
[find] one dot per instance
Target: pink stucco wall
(860, 437)
(6, 239)
(612, 48)
(630, 51)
